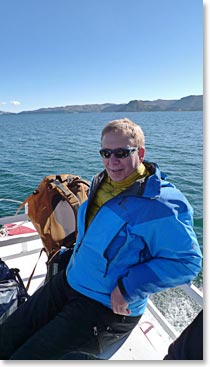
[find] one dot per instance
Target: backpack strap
(29, 279)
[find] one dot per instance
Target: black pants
(57, 320)
(189, 345)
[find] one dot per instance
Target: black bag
(59, 261)
(12, 291)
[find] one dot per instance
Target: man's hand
(118, 303)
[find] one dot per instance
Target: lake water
(35, 145)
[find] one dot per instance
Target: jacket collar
(148, 188)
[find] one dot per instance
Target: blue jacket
(141, 240)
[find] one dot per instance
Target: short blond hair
(128, 128)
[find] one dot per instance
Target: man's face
(120, 168)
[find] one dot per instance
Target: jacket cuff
(121, 287)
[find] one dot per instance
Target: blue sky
(65, 52)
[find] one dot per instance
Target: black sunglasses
(118, 152)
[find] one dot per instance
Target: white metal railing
(29, 246)
(22, 239)
(192, 291)
(189, 289)
(19, 220)
(169, 329)
(14, 218)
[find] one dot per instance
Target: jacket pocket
(114, 247)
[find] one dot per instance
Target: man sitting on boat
(135, 238)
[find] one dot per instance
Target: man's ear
(141, 153)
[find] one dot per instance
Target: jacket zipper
(80, 243)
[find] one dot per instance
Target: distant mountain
(74, 108)
(189, 103)
(5, 113)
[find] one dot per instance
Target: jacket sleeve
(175, 256)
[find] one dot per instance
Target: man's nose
(113, 158)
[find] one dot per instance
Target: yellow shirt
(109, 189)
